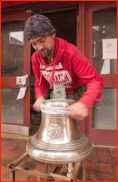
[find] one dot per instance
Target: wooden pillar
(81, 42)
(84, 170)
(12, 175)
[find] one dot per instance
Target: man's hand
(77, 111)
(37, 103)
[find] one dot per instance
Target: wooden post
(84, 170)
(12, 175)
(46, 170)
(46, 167)
(73, 177)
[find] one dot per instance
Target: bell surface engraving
(54, 131)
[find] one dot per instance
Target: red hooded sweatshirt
(70, 68)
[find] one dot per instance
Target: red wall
(5, 4)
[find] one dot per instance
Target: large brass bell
(59, 139)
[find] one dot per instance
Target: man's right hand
(37, 103)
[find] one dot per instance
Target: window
(16, 37)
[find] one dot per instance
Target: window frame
(98, 136)
(10, 82)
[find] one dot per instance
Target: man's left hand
(77, 111)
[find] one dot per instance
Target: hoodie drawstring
(40, 77)
(52, 80)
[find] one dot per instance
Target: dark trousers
(78, 94)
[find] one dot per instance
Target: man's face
(44, 44)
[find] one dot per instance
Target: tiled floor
(100, 166)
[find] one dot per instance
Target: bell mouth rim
(57, 160)
(47, 108)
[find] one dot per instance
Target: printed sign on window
(109, 48)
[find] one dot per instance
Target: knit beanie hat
(38, 25)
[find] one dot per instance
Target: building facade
(92, 27)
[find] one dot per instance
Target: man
(60, 62)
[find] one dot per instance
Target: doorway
(64, 22)
(101, 18)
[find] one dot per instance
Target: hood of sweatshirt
(60, 46)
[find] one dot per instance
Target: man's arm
(94, 82)
(37, 103)
(40, 88)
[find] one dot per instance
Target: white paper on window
(109, 48)
(106, 67)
